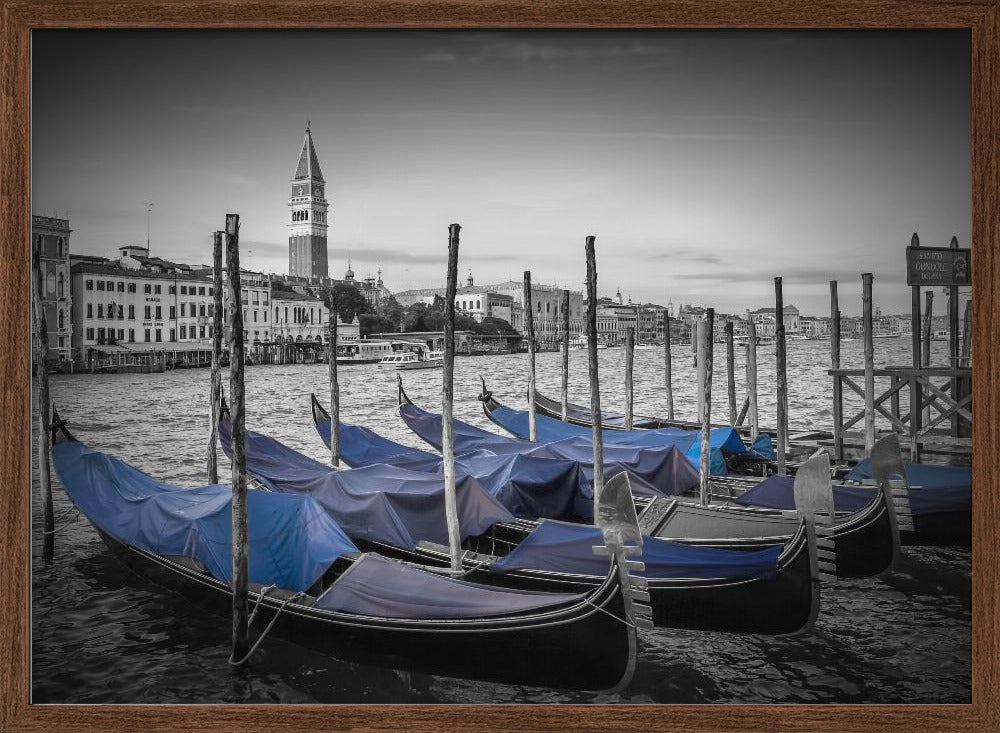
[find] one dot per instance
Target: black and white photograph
(501, 366)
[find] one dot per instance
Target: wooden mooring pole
(953, 342)
(595, 385)
(782, 379)
(447, 401)
(334, 390)
(565, 356)
(215, 379)
(668, 367)
(838, 385)
(705, 348)
(697, 327)
(240, 581)
(731, 371)
(629, 364)
(867, 322)
(529, 324)
(752, 377)
(916, 391)
(925, 350)
(44, 402)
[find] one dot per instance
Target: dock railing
(933, 385)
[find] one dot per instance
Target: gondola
(939, 499)
(533, 481)
(771, 591)
(310, 580)
(866, 540)
(729, 454)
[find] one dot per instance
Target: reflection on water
(101, 635)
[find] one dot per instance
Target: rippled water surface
(101, 635)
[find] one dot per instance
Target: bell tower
(307, 216)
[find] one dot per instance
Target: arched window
(60, 286)
(478, 306)
(62, 320)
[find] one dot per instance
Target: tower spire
(308, 212)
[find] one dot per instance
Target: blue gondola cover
(566, 548)
(379, 502)
(292, 541)
(775, 492)
(375, 586)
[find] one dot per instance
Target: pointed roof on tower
(308, 166)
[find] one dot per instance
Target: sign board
(937, 266)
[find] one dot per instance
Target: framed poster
(517, 115)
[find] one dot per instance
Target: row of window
(303, 215)
(149, 334)
(117, 311)
(148, 288)
(256, 295)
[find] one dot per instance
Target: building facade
(307, 216)
(51, 236)
(790, 319)
(547, 309)
(298, 317)
(138, 302)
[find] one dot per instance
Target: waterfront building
(373, 289)
(548, 300)
(299, 317)
(52, 235)
(613, 322)
(138, 302)
(481, 303)
(307, 216)
(790, 318)
(406, 298)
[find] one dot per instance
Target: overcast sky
(704, 162)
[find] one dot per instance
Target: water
(101, 635)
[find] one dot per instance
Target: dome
(349, 275)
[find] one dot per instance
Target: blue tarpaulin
(775, 492)
(655, 469)
(921, 474)
(688, 442)
(292, 541)
(375, 586)
(535, 481)
(380, 503)
(566, 548)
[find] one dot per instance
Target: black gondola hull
(784, 604)
(582, 647)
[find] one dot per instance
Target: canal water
(102, 635)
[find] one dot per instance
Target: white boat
(412, 360)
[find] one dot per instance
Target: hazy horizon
(705, 162)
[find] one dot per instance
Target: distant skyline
(705, 162)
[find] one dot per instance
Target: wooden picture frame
(19, 17)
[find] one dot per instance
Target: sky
(705, 162)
